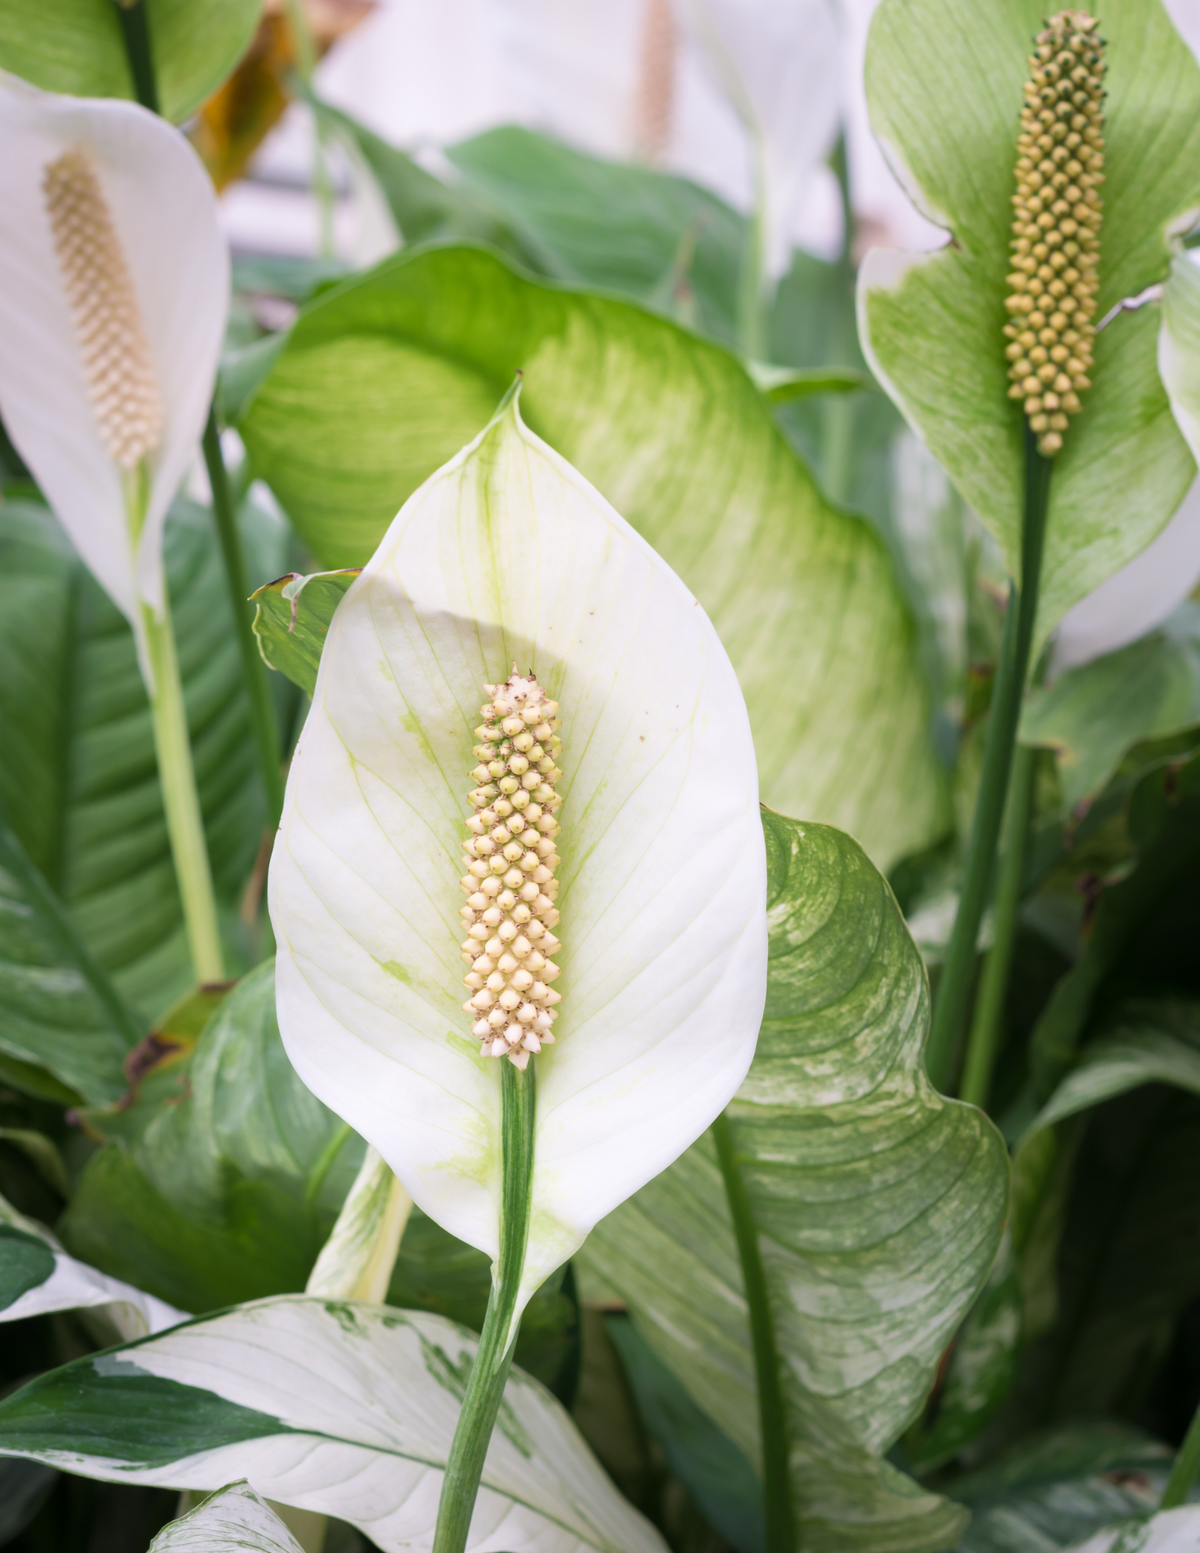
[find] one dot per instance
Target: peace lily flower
(114, 283)
(646, 789)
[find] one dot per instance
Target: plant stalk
(254, 670)
(986, 1022)
(1186, 1468)
(1011, 672)
(135, 34)
(752, 288)
(485, 1387)
(777, 1488)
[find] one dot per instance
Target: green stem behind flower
(173, 746)
(752, 280)
(485, 1388)
(135, 33)
(254, 672)
(955, 985)
(984, 1038)
(777, 1488)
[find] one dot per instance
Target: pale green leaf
(944, 84)
(1091, 715)
(233, 1518)
(384, 379)
(356, 1261)
(345, 1409)
(506, 556)
(1179, 346)
(75, 46)
(878, 1205)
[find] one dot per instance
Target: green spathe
(860, 1180)
(944, 84)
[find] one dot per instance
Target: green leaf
(1140, 908)
(861, 1181)
(1179, 346)
(382, 380)
(62, 1019)
(1092, 715)
(291, 619)
(77, 765)
(704, 1459)
(75, 46)
(25, 1263)
(232, 1518)
(1170, 1531)
(1060, 1485)
(330, 1406)
(614, 226)
(944, 84)
(209, 1191)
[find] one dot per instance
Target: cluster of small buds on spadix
(1056, 230)
(104, 309)
(509, 884)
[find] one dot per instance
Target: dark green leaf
(25, 1262)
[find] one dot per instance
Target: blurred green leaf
(385, 378)
(944, 84)
(291, 619)
(75, 46)
(77, 767)
(861, 1180)
(1093, 714)
(25, 1263)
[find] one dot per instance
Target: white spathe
(165, 213)
(507, 554)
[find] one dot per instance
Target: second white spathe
(164, 210)
(508, 554)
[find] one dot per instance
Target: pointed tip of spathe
(508, 405)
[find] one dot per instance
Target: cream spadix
(114, 282)
(507, 556)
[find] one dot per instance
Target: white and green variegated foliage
(944, 85)
(37, 1276)
(876, 1204)
(1170, 1531)
(507, 555)
(341, 1408)
(233, 1518)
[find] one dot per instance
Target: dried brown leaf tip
(1056, 226)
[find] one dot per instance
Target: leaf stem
(984, 1038)
(777, 1488)
(254, 670)
(751, 300)
(1011, 671)
(1186, 1468)
(485, 1387)
(135, 34)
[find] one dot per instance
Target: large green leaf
(337, 1407)
(944, 83)
(77, 766)
(1093, 714)
(291, 619)
(382, 380)
(64, 1031)
(877, 1206)
(75, 46)
(221, 1183)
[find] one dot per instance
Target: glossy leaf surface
(944, 84)
(384, 379)
(877, 1204)
(340, 1408)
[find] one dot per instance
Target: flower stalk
(493, 1360)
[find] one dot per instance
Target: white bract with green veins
(114, 285)
(657, 889)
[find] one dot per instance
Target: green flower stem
(254, 671)
(135, 33)
(777, 1488)
(485, 1388)
(1186, 1468)
(984, 1038)
(955, 985)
